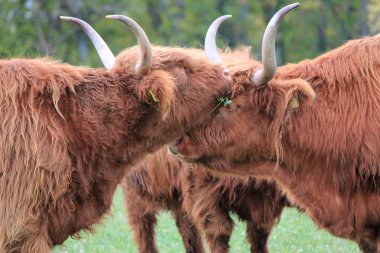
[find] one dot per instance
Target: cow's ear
(159, 88)
(298, 91)
(304, 88)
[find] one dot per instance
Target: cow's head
(178, 86)
(249, 129)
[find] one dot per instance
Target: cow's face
(182, 86)
(249, 130)
(227, 139)
(173, 89)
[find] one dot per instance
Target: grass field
(294, 234)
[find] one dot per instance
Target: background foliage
(32, 27)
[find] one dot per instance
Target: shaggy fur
(152, 186)
(323, 152)
(162, 182)
(68, 136)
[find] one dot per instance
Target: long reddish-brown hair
(69, 134)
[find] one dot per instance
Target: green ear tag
(294, 103)
(155, 99)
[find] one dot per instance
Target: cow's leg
(142, 220)
(190, 234)
(203, 205)
(258, 236)
(368, 246)
(265, 205)
(143, 228)
(259, 227)
(217, 227)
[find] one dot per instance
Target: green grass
(295, 233)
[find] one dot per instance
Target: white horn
(210, 40)
(145, 59)
(103, 50)
(268, 53)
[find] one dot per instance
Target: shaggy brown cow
(68, 134)
(314, 127)
(162, 182)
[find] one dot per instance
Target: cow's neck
(331, 162)
(103, 122)
(322, 156)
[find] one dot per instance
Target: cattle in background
(314, 127)
(200, 200)
(68, 135)
(152, 186)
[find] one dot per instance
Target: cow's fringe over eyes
(273, 99)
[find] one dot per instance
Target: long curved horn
(103, 50)
(268, 54)
(145, 60)
(210, 43)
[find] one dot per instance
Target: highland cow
(312, 126)
(152, 186)
(200, 200)
(68, 135)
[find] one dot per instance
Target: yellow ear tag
(155, 99)
(294, 104)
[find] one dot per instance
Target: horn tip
(65, 17)
(224, 17)
(112, 16)
(294, 5)
(72, 19)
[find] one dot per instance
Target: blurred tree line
(31, 28)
